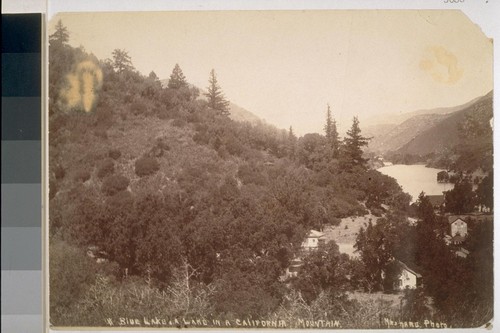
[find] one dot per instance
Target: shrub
(251, 175)
(52, 189)
(82, 175)
(162, 144)
(121, 200)
(335, 220)
(114, 154)
(106, 168)
(114, 184)
(163, 114)
(71, 273)
(138, 108)
(179, 122)
(59, 172)
(128, 98)
(146, 166)
(377, 212)
(101, 133)
(104, 116)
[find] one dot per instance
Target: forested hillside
(461, 141)
(162, 206)
(403, 133)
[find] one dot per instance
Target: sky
(286, 66)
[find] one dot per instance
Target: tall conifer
(353, 146)
(331, 133)
(216, 99)
(177, 79)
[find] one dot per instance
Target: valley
(458, 138)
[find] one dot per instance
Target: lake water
(416, 178)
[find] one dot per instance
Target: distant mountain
(445, 134)
(402, 137)
(237, 113)
(399, 135)
(375, 131)
(398, 118)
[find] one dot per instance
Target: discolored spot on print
(441, 64)
(83, 84)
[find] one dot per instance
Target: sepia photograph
(274, 169)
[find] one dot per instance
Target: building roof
(436, 200)
(315, 234)
(452, 219)
(402, 265)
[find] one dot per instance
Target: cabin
(313, 240)
(457, 226)
(408, 278)
(293, 269)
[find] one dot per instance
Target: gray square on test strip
(21, 161)
(21, 205)
(21, 248)
(21, 292)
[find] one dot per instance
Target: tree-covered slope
(176, 198)
(463, 140)
(403, 133)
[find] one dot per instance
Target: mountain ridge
(446, 133)
(398, 118)
(395, 137)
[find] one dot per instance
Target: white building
(408, 278)
(457, 226)
(314, 238)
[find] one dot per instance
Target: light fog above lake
(416, 178)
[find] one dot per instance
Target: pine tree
(332, 135)
(216, 99)
(291, 143)
(461, 199)
(153, 77)
(177, 79)
(484, 191)
(352, 148)
(121, 61)
(61, 36)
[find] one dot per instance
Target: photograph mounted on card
(270, 169)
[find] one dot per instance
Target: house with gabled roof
(293, 269)
(408, 277)
(458, 226)
(314, 238)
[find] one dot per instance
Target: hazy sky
(285, 66)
